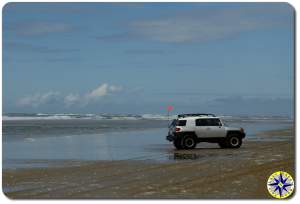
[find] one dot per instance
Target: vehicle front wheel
(189, 142)
(234, 141)
(177, 144)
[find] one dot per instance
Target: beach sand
(207, 172)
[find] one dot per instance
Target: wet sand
(206, 172)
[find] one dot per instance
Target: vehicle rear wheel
(234, 141)
(189, 142)
(177, 144)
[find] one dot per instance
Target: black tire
(234, 141)
(189, 142)
(223, 144)
(177, 144)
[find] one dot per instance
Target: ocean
(39, 139)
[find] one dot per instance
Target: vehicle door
(216, 128)
(202, 129)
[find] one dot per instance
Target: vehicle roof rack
(195, 114)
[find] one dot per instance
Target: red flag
(170, 108)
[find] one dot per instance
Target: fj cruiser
(189, 129)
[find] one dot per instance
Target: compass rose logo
(280, 184)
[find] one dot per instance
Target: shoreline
(225, 173)
(282, 132)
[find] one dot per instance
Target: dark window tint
(181, 122)
(201, 122)
(214, 122)
(208, 122)
(173, 123)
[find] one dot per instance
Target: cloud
(114, 88)
(24, 47)
(253, 105)
(39, 99)
(70, 99)
(202, 25)
(98, 92)
(145, 51)
(53, 8)
(62, 59)
(101, 91)
(92, 96)
(198, 28)
(28, 28)
(127, 36)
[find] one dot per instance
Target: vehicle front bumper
(243, 134)
(170, 138)
(174, 136)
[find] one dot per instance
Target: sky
(224, 58)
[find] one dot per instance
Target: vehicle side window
(181, 123)
(214, 122)
(208, 122)
(201, 122)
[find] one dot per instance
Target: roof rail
(195, 114)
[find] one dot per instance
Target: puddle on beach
(128, 145)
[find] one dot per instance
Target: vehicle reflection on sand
(185, 156)
(206, 152)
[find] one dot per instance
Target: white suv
(189, 129)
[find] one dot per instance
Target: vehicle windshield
(173, 123)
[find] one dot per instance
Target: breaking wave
(73, 116)
(104, 116)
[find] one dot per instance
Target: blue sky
(226, 58)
